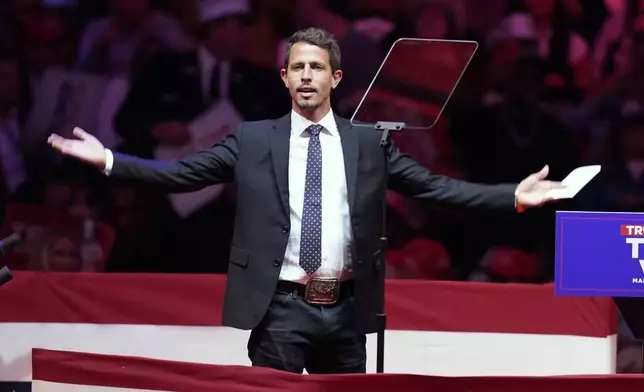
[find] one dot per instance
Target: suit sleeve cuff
(109, 162)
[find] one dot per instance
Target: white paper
(205, 131)
(575, 181)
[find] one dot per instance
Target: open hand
(86, 148)
(534, 190)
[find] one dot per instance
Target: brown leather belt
(318, 291)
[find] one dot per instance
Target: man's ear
(337, 77)
(283, 76)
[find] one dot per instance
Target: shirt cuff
(109, 162)
(517, 206)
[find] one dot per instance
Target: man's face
(309, 77)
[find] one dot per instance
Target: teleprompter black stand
(381, 317)
(409, 91)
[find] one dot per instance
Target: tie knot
(314, 129)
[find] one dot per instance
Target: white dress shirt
(336, 221)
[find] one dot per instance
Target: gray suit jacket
(256, 157)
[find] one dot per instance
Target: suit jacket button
(285, 229)
(277, 263)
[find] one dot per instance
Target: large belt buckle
(322, 291)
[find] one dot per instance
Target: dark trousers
(295, 335)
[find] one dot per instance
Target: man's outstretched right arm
(212, 166)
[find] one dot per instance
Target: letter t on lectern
(635, 246)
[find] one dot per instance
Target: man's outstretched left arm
(411, 179)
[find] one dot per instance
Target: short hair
(318, 37)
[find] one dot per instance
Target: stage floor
(58, 371)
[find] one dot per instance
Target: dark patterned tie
(311, 246)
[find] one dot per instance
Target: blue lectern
(602, 254)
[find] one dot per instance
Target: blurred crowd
(552, 82)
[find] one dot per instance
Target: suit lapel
(351, 152)
(279, 140)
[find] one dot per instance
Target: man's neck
(313, 115)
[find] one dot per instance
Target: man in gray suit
(303, 270)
